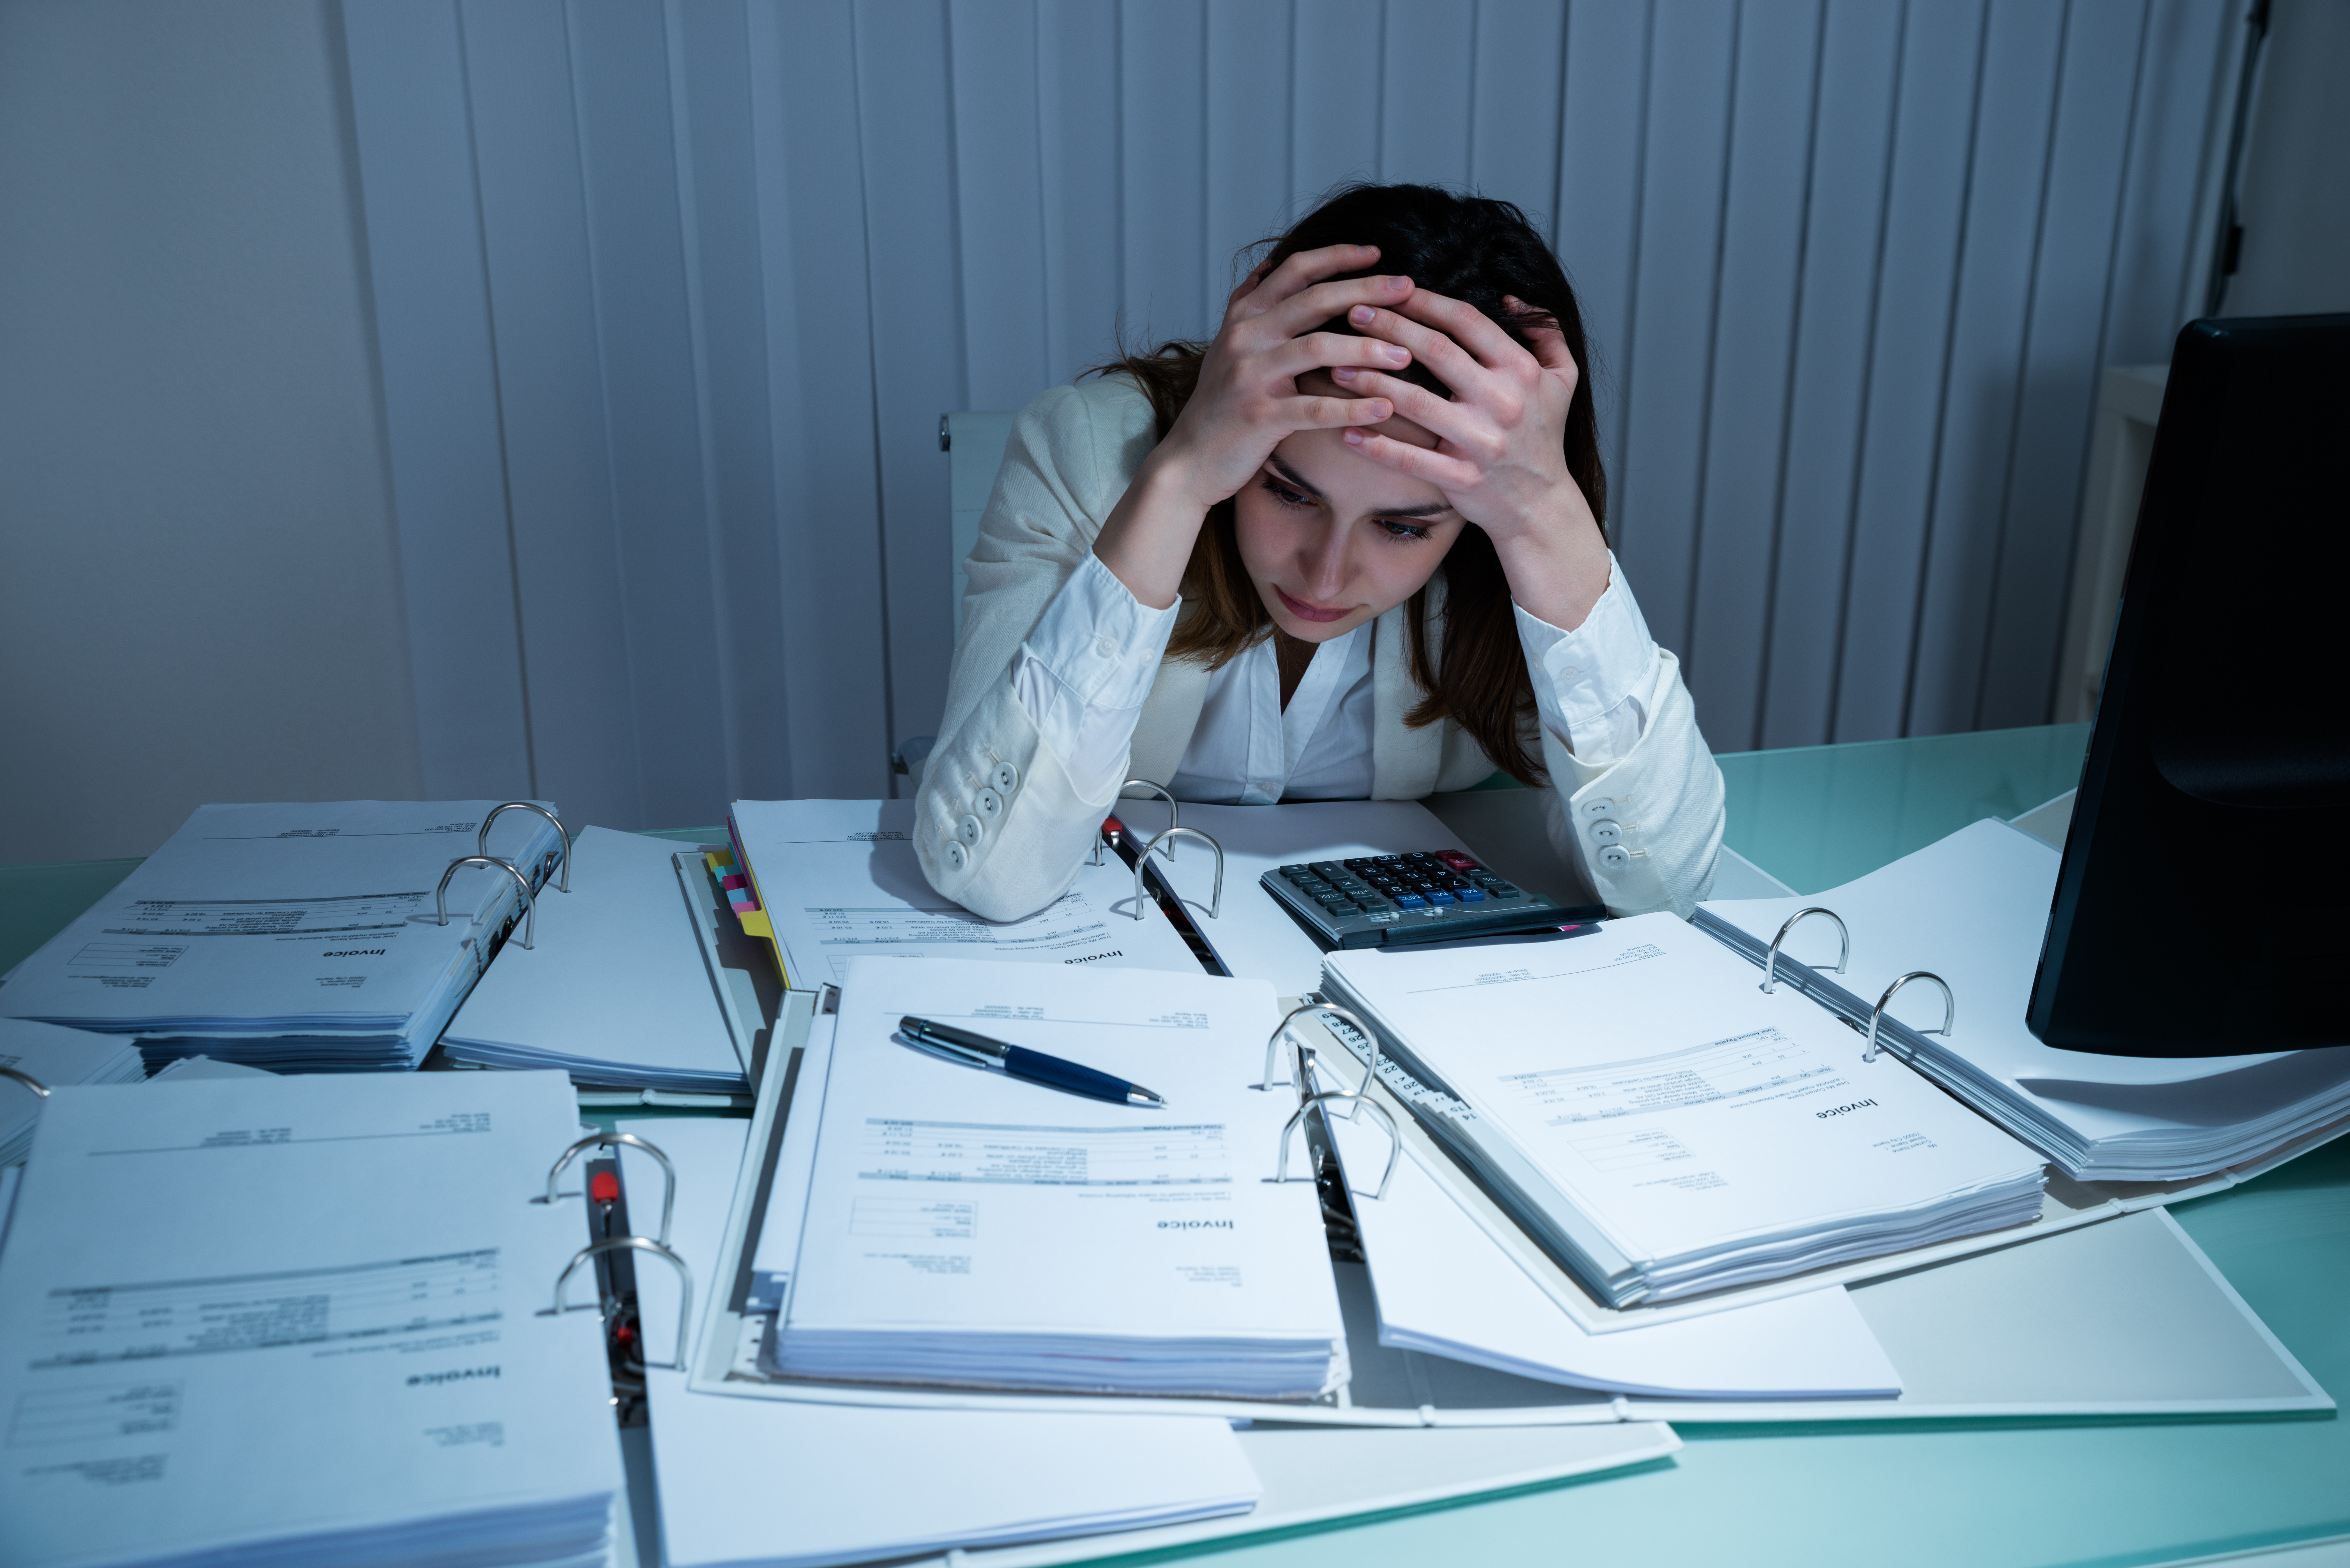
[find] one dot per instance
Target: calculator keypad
(1379, 889)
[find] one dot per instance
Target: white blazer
(1072, 453)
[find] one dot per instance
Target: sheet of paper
(1444, 1288)
(320, 914)
(52, 1054)
(951, 1204)
(840, 879)
(299, 1309)
(1254, 936)
(764, 1482)
(1695, 1122)
(777, 1247)
(614, 989)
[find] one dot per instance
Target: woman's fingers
(1549, 343)
(1328, 350)
(1310, 307)
(1467, 325)
(1458, 423)
(1452, 364)
(1248, 285)
(1450, 474)
(1309, 267)
(1332, 413)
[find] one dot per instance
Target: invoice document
(1675, 1128)
(968, 1228)
(839, 880)
(302, 1317)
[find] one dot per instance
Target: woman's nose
(1326, 561)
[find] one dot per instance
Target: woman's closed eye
(1296, 500)
(1402, 532)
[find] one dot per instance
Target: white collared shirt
(1086, 671)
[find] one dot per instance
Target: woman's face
(1332, 539)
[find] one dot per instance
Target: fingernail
(1390, 351)
(1354, 437)
(1362, 315)
(1398, 285)
(1343, 373)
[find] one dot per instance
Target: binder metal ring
(1216, 901)
(530, 905)
(636, 1244)
(1877, 1013)
(1394, 1139)
(614, 1140)
(1272, 1041)
(562, 836)
(1174, 812)
(27, 1079)
(1771, 963)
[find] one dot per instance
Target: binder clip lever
(614, 1140)
(530, 905)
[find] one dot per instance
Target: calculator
(1395, 900)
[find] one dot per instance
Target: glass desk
(2093, 1494)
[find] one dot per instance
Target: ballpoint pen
(1019, 1061)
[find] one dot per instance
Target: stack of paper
(839, 881)
(1662, 1128)
(52, 1056)
(300, 1321)
(301, 938)
(615, 990)
(970, 1230)
(1973, 910)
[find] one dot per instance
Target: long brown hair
(1468, 248)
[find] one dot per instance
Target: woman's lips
(1304, 611)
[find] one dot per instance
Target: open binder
(2082, 1292)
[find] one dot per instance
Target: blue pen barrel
(1051, 1071)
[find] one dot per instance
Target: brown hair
(1468, 248)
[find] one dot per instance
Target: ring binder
(614, 1140)
(1174, 812)
(530, 906)
(1395, 1138)
(1771, 962)
(636, 1244)
(1877, 1013)
(562, 851)
(1215, 899)
(1272, 1041)
(27, 1079)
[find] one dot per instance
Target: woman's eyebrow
(1296, 481)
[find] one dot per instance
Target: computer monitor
(2204, 908)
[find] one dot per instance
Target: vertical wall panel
(725, 281)
(1162, 79)
(1335, 93)
(1754, 319)
(441, 396)
(1860, 54)
(1982, 376)
(1084, 187)
(1248, 135)
(551, 387)
(1427, 59)
(652, 406)
(1603, 125)
(2058, 394)
(673, 293)
(1000, 201)
(1671, 341)
(1513, 104)
(819, 354)
(917, 334)
(1916, 283)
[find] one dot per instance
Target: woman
(1351, 548)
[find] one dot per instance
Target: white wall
(2293, 197)
(197, 593)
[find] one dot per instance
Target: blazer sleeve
(999, 826)
(1644, 831)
